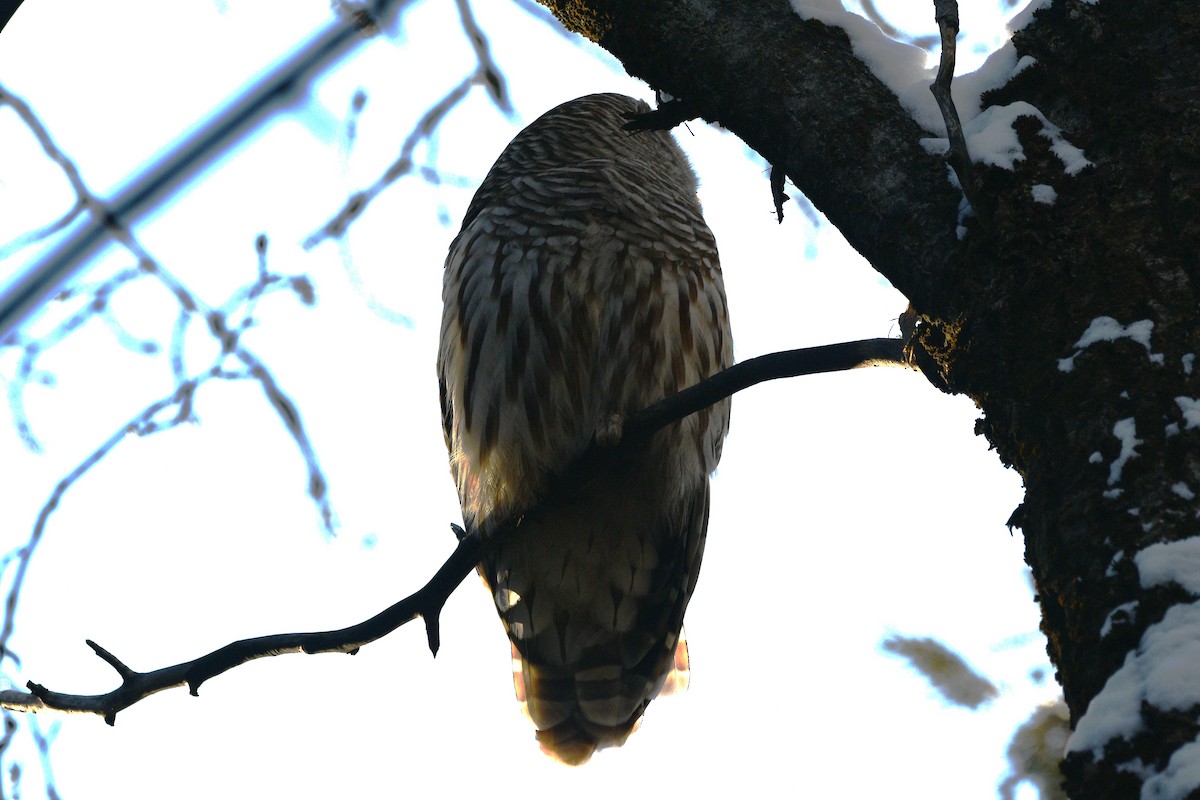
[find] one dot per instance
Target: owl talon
(610, 431)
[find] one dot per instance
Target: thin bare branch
(244, 301)
(425, 603)
(290, 416)
(97, 304)
(946, 14)
(786, 364)
(429, 600)
(144, 422)
(486, 74)
(44, 232)
(42, 741)
(424, 130)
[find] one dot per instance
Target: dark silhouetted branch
(427, 602)
(785, 364)
(946, 14)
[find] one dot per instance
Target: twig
(946, 14)
(426, 603)
(668, 114)
(353, 208)
(489, 73)
(486, 73)
(96, 305)
(42, 741)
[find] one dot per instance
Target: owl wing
(577, 297)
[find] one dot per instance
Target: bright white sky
(847, 508)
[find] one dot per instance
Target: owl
(583, 286)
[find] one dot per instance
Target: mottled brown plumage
(584, 285)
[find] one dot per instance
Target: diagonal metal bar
(182, 163)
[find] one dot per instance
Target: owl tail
(578, 713)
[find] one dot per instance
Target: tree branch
(946, 14)
(29, 290)
(810, 107)
(428, 601)
(785, 364)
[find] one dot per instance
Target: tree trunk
(1107, 441)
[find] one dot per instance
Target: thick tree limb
(795, 92)
(428, 601)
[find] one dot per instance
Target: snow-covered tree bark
(1066, 308)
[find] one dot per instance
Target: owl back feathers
(584, 284)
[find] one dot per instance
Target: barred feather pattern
(583, 286)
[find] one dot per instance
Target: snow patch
(1025, 15)
(1123, 612)
(1107, 329)
(1024, 63)
(1043, 193)
(901, 67)
(1182, 775)
(1161, 672)
(1124, 430)
(1188, 359)
(1114, 713)
(1171, 562)
(1183, 490)
(992, 140)
(1095, 458)
(1112, 494)
(1190, 407)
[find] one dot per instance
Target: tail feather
(578, 713)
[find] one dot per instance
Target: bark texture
(1002, 306)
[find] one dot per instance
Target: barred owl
(583, 286)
